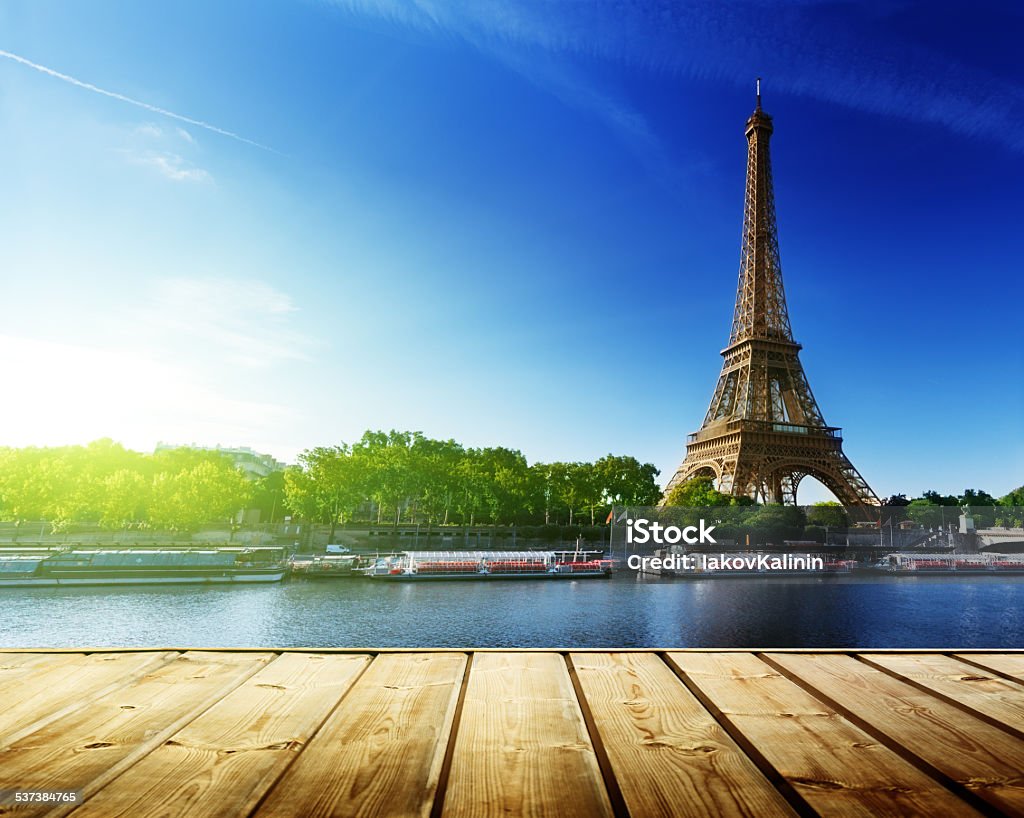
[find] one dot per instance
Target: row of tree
(931, 509)
(405, 477)
(393, 477)
(175, 489)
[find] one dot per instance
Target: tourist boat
(443, 565)
(328, 566)
(983, 564)
(135, 566)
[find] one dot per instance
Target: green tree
(588, 490)
(439, 463)
(124, 499)
(628, 482)
(697, 499)
(184, 499)
(1014, 498)
(776, 523)
(546, 485)
(506, 492)
(475, 493)
(331, 485)
(574, 486)
(697, 492)
(391, 477)
(268, 496)
(827, 513)
(1010, 513)
(929, 514)
(936, 499)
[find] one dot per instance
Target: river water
(626, 611)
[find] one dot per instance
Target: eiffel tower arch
(763, 432)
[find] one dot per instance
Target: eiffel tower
(764, 432)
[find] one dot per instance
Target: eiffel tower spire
(760, 299)
(763, 432)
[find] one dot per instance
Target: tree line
(930, 510)
(404, 477)
(117, 488)
(393, 478)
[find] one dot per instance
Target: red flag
(611, 511)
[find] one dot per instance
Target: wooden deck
(537, 733)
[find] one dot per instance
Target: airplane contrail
(138, 103)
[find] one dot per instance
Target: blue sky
(509, 223)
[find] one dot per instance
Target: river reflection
(625, 611)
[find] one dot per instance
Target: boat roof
(948, 555)
(466, 556)
(12, 565)
(206, 549)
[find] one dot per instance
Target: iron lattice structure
(763, 432)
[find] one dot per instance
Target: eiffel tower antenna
(763, 432)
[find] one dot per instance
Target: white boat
(132, 566)
(490, 565)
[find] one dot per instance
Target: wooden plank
(522, 746)
(88, 748)
(380, 752)
(33, 701)
(836, 767)
(1008, 664)
(978, 756)
(668, 754)
(987, 694)
(15, 665)
(966, 652)
(233, 753)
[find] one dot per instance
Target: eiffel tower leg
(789, 487)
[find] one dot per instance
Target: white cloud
(150, 130)
(171, 166)
(150, 145)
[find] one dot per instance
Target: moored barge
(490, 565)
(982, 564)
(328, 566)
(144, 567)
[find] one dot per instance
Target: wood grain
(88, 748)
(837, 768)
(232, 753)
(668, 754)
(978, 756)
(380, 753)
(522, 744)
(987, 694)
(1008, 664)
(334, 733)
(15, 665)
(35, 700)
